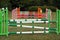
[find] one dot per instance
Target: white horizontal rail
(30, 32)
(37, 27)
(25, 19)
(31, 21)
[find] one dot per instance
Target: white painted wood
(30, 32)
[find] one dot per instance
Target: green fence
(4, 22)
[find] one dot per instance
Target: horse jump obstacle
(17, 14)
(4, 23)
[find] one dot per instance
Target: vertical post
(39, 12)
(1, 23)
(49, 19)
(20, 27)
(57, 29)
(18, 12)
(3, 18)
(32, 27)
(59, 21)
(6, 18)
(46, 13)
